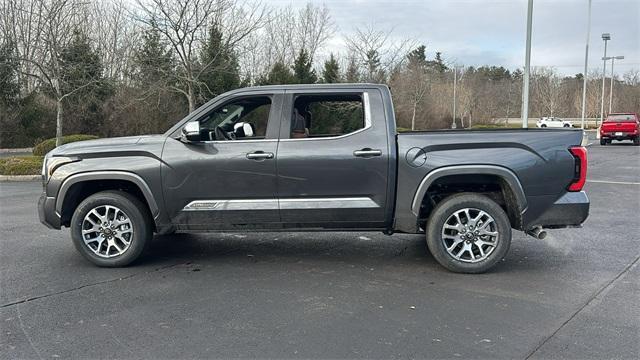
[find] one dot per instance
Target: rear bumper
(572, 209)
(47, 211)
(624, 136)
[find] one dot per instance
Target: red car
(620, 126)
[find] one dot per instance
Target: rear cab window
(326, 116)
(622, 118)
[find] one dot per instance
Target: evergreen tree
(302, 69)
(437, 64)
(221, 71)
(82, 69)
(153, 62)
(9, 87)
(352, 75)
(331, 72)
(418, 56)
(279, 74)
(372, 63)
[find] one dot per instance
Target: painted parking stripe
(614, 182)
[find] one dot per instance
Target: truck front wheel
(111, 228)
(468, 233)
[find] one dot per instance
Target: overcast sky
(477, 32)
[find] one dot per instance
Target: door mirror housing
(191, 132)
(243, 130)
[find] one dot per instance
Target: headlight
(51, 163)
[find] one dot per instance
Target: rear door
(333, 159)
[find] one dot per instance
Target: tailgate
(618, 126)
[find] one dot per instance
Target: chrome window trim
(367, 122)
(282, 204)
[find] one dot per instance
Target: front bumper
(572, 209)
(47, 211)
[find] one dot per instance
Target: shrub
(21, 165)
(44, 147)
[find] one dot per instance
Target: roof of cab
(307, 87)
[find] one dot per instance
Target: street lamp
(612, 58)
(606, 37)
(527, 66)
(586, 63)
(455, 86)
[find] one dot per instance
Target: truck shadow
(357, 247)
(365, 249)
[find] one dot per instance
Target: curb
(16, 178)
(16, 150)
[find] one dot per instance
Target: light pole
(613, 58)
(455, 84)
(527, 65)
(586, 62)
(606, 37)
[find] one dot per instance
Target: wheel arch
(77, 187)
(514, 196)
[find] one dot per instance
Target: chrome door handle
(367, 153)
(259, 155)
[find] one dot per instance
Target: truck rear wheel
(111, 228)
(468, 233)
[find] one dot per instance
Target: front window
(241, 119)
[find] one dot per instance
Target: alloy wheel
(107, 231)
(470, 235)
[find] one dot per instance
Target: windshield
(621, 118)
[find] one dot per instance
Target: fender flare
(504, 173)
(107, 175)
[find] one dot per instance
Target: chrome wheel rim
(470, 235)
(107, 231)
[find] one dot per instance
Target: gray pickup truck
(315, 157)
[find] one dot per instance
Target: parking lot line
(614, 182)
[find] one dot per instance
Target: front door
(333, 160)
(227, 180)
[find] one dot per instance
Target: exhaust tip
(537, 233)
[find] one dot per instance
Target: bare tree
(115, 34)
(377, 52)
(184, 24)
(546, 89)
(52, 24)
(286, 32)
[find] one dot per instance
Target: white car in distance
(552, 122)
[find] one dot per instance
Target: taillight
(580, 168)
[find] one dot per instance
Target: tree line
(120, 67)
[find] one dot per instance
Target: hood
(110, 145)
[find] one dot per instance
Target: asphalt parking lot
(329, 295)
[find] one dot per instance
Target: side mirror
(191, 131)
(243, 130)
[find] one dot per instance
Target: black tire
(636, 141)
(603, 142)
(134, 209)
(447, 208)
(566, 125)
(543, 126)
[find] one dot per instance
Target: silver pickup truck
(315, 158)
